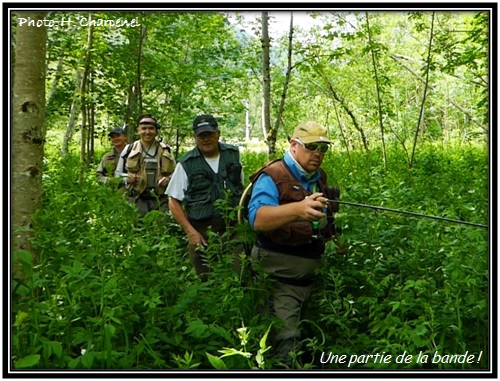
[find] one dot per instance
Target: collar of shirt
(307, 179)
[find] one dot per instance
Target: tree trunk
(266, 93)
(138, 88)
(247, 121)
(424, 96)
(274, 132)
(55, 85)
(70, 127)
(131, 105)
(57, 77)
(28, 111)
(341, 129)
(90, 137)
(83, 94)
(134, 95)
(379, 97)
(346, 108)
(398, 58)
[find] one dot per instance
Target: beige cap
(310, 132)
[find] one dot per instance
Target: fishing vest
(110, 162)
(149, 169)
(296, 238)
(205, 186)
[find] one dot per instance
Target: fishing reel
(332, 194)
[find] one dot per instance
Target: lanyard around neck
(146, 151)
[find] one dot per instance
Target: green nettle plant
(110, 291)
(244, 336)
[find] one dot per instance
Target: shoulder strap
(247, 193)
(165, 146)
(255, 175)
(130, 146)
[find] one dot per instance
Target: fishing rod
(323, 199)
(248, 191)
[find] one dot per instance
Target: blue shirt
(265, 191)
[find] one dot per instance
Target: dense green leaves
(112, 293)
(407, 283)
(178, 64)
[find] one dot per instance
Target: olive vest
(109, 163)
(149, 169)
(205, 186)
(296, 238)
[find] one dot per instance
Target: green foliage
(244, 336)
(409, 283)
(334, 81)
(193, 62)
(252, 161)
(112, 292)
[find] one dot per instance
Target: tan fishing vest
(149, 169)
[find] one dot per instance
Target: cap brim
(315, 139)
(115, 133)
(203, 129)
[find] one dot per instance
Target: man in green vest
(202, 176)
(107, 166)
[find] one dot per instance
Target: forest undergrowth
(111, 292)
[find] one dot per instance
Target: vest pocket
(200, 208)
(167, 162)
(295, 233)
(234, 172)
(198, 196)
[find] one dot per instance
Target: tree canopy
(362, 74)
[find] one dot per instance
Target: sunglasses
(321, 147)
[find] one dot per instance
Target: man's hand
(132, 178)
(313, 206)
(196, 239)
(163, 181)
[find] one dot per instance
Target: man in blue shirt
(289, 211)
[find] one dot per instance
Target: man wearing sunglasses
(289, 212)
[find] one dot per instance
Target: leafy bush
(112, 292)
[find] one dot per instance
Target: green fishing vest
(205, 186)
(110, 162)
